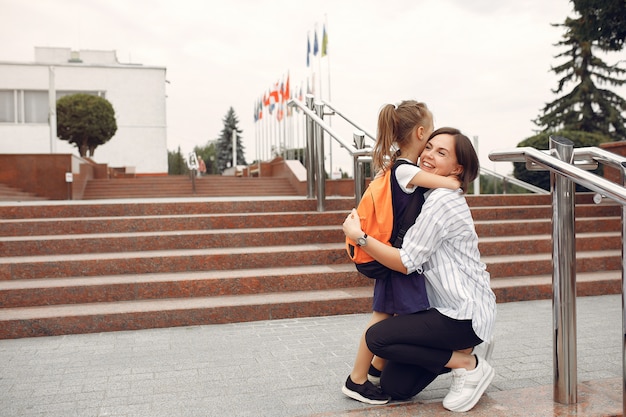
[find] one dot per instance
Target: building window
(35, 106)
(30, 106)
(7, 106)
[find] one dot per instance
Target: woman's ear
(458, 170)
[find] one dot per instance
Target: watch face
(361, 241)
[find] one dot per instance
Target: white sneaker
(468, 386)
(484, 350)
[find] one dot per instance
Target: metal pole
(359, 180)
(564, 277)
(310, 146)
(623, 179)
(52, 109)
(235, 151)
(319, 159)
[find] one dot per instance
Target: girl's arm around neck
(430, 180)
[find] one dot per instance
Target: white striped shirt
(444, 246)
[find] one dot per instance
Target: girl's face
(439, 156)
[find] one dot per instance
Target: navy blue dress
(399, 293)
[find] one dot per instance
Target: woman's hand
(352, 226)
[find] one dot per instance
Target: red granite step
(176, 222)
(109, 288)
(533, 244)
(540, 264)
(520, 227)
(182, 186)
(83, 266)
(58, 266)
(167, 240)
(539, 287)
(168, 207)
(133, 315)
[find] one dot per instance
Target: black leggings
(417, 347)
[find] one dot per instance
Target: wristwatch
(362, 241)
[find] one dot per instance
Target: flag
(256, 112)
(324, 43)
(287, 93)
(280, 112)
(315, 47)
(274, 98)
(274, 95)
(308, 50)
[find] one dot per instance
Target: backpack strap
(411, 212)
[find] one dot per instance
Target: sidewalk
(295, 367)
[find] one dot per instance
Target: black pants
(417, 347)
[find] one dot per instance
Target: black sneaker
(366, 392)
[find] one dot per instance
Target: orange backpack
(379, 220)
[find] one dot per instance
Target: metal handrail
(572, 172)
(515, 181)
(344, 117)
(562, 160)
(316, 125)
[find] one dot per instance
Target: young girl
(407, 128)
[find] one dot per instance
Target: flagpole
(319, 65)
(325, 50)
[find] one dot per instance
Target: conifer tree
(589, 107)
(225, 142)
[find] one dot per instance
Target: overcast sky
(481, 65)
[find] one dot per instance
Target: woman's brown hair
(395, 126)
(465, 155)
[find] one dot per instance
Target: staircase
(13, 194)
(92, 267)
(174, 186)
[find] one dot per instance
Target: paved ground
(275, 368)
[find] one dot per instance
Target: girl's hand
(352, 226)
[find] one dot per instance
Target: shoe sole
(359, 397)
(473, 400)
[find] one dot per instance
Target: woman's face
(439, 156)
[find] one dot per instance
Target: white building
(136, 92)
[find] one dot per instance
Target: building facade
(136, 92)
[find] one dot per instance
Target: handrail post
(564, 277)
(623, 180)
(310, 146)
(359, 174)
(320, 176)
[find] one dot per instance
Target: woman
(444, 246)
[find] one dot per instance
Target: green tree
(604, 22)
(86, 121)
(225, 143)
(587, 107)
(176, 164)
